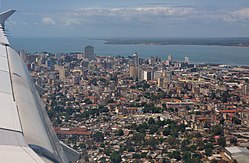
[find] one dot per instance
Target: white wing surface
(26, 133)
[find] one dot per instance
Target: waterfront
(197, 53)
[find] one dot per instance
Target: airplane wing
(26, 133)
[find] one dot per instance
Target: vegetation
(115, 157)
(98, 136)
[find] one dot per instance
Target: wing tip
(5, 15)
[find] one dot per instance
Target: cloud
(48, 21)
(241, 15)
(117, 16)
(72, 22)
(158, 4)
(114, 16)
(139, 11)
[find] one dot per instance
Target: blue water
(196, 53)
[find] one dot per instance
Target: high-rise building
(133, 70)
(134, 66)
(62, 73)
(167, 75)
(186, 60)
(79, 56)
(148, 75)
(157, 74)
(170, 58)
(89, 52)
(160, 82)
(49, 64)
(245, 89)
(153, 60)
(135, 59)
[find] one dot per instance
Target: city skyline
(128, 19)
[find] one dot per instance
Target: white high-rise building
(135, 59)
(186, 59)
(170, 58)
(148, 75)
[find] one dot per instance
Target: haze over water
(197, 53)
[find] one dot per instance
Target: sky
(128, 18)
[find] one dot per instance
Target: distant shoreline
(230, 55)
(237, 42)
(242, 46)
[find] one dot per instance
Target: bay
(197, 53)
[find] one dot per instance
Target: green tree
(236, 121)
(153, 128)
(81, 145)
(151, 121)
(88, 101)
(151, 109)
(186, 155)
(115, 157)
(103, 160)
(233, 141)
(120, 132)
(184, 144)
(225, 96)
(208, 152)
(177, 155)
(165, 160)
(166, 131)
(209, 146)
(98, 136)
(136, 156)
(222, 141)
(107, 151)
(103, 80)
(130, 149)
(217, 130)
(142, 127)
(138, 138)
(152, 142)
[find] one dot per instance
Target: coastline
(153, 44)
(232, 55)
(233, 41)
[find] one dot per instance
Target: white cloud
(48, 21)
(238, 15)
(140, 11)
(116, 16)
(243, 13)
(72, 22)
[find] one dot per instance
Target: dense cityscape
(129, 109)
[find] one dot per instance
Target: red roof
(166, 99)
(73, 131)
(131, 108)
(216, 137)
(203, 119)
(230, 111)
(91, 97)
